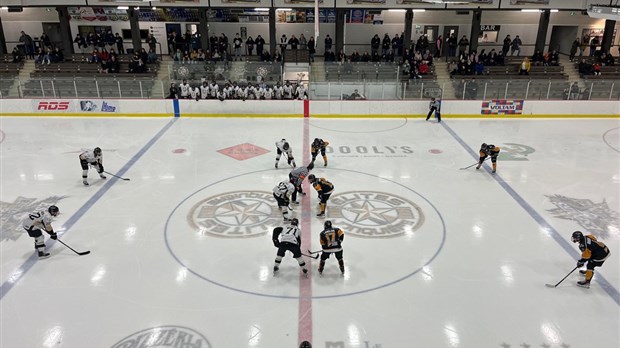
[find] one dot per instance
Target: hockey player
(283, 147)
(282, 193)
(300, 91)
(204, 90)
(214, 88)
(593, 252)
(324, 188)
(194, 93)
(268, 93)
(319, 145)
(288, 239)
(35, 222)
(288, 90)
(278, 90)
(488, 150)
(434, 107)
(331, 242)
(95, 159)
(184, 87)
(297, 176)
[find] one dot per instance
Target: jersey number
(331, 238)
(34, 216)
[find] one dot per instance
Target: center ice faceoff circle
(406, 226)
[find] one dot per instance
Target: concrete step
(22, 78)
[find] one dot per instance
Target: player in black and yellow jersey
(331, 242)
(324, 188)
(593, 252)
(488, 150)
(318, 145)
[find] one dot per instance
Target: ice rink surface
(435, 256)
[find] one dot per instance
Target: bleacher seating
(8, 73)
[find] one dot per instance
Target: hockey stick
(116, 176)
(287, 160)
(474, 164)
(311, 256)
(315, 252)
(79, 253)
(569, 273)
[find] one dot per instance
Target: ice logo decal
(235, 214)
(164, 336)
(374, 214)
(12, 214)
(595, 218)
(515, 152)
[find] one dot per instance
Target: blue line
(175, 105)
(609, 289)
(32, 260)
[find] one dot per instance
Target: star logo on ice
(375, 214)
(595, 218)
(12, 214)
(235, 214)
(243, 152)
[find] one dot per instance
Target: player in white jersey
(268, 93)
(37, 221)
(214, 89)
(93, 158)
(184, 87)
(194, 93)
(283, 147)
(300, 91)
(288, 238)
(282, 193)
(221, 95)
(204, 90)
(288, 90)
(278, 91)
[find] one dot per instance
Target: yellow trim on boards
(243, 115)
(469, 116)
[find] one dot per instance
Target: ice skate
(43, 255)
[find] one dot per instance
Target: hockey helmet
(53, 210)
(285, 146)
(327, 224)
(97, 151)
(577, 237)
(294, 222)
(305, 344)
(483, 146)
(311, 177)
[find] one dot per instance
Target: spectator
(395, 44)
(499, 60)
(119, 44)
(585, 68)
(365, 57)
(573, 49)
(356, 95)
(537, 58)
(341, 56)
(260, 43)
(608, 59)
(554, 58)
(186, 58)
(515, 46)
(594, 45)
(152, 56)
(293, 42)
(330, 56)
(506, 45)
(438, 46)
(585, 41)
(249, 44)
(104, 55)
(17, 56)
(214, 44)
(355, 57)
(452, 43)
(109, 40)
(277, 57)
(113, 65)
(328, 43)
(596, 68)
(152, 43)
(223, 42)
(491, 58)
(423, 68)
(463, 44)
(45, 40)
(385, 44)
(26, 41)
(375, 43)
(265, 56)
(524, 67)
(80, 41)
(453, 68)
(283, 43)
(479, 68)
(303, 43)
(311, 48)
(95, 57)
(237, 43)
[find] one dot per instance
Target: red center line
(305, 283)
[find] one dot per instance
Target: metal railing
(241, 72)
(91, 88)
